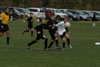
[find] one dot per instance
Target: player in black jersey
(40, 34)
(53, 30)
(30, 24)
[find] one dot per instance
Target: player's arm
(58, 24)
(32, 19)
(38, 29)
(67, 29)
(48, 24)
(1, 16)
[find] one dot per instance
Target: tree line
(64, 4)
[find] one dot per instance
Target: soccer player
(4, 17)
(52, 31)
(40, 34)
(64, 32)
(30, 24)
(94, 20)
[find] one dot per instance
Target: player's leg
(53, 37)
(45, 43)
(33, 42)
(26, 30)
(68, 40)
(1, 33)
(6, 29)
(32, 30)
(57, 43)
(64, 40)
(8, 37)
(51, 43)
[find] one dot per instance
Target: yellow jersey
(4, 18)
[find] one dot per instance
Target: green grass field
(83, 54)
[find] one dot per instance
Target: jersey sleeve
(1, 16)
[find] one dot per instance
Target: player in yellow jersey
(4, 17)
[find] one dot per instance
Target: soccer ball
(67, 24)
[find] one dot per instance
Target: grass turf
(83, 54)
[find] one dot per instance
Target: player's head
(7, 11)
(52, 17)
(31, 14)
(66, 19)
(42, 20)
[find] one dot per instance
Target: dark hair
(41, 19)
(67, 17)
(52, 14)
(31, 13)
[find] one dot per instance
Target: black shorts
(39, 36)
(5, 29)
(53, 36)
(63, 35)
(30, 26)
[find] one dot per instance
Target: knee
(67, 36)
(64, 40)
(56, 38)
(8, 33)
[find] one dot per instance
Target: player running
(64, 32)
(52, 31)
(4, 17)
(30, 24)
(40, 35)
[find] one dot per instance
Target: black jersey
(52, 23)
(30, 21)
(40, 28)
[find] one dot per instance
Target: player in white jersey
(64, 32)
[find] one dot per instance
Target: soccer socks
(68, 40)
(31, 33)
(57, 44)
(50, 44)
(8, 39)
(63, 45)
(32, 42)
(26, 31)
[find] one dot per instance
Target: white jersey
(61, 28)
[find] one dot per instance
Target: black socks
(63, 45)
(8, 39)
(57, 43)
(50, 44)
(68, 40)
(32, 42)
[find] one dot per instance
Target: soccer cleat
(57, 47)
(70, 46)
(28, 47)
(23, 33)
(7, 43)
(46, 49)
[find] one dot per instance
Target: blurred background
(68, 4)
(87, 10)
